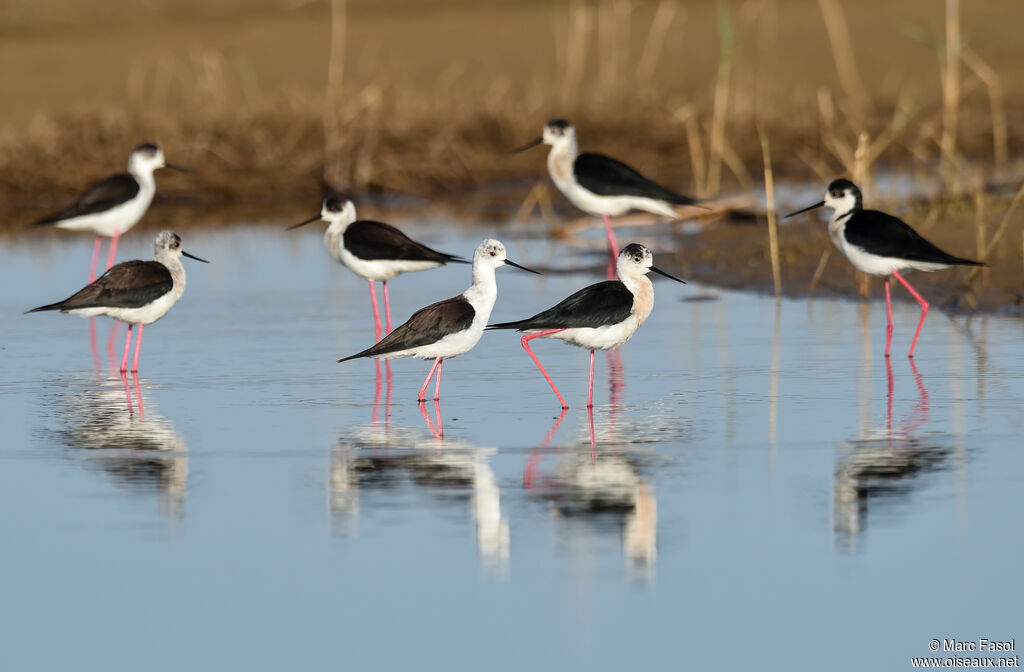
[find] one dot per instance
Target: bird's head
(168, 245)
(491, 254)
(636, 260)
(841, 196)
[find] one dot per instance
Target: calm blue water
(749, 502)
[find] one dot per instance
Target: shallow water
(755, 497)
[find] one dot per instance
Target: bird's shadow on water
(881, 469)
(112, 425)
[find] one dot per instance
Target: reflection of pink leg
(888, 320)
(924, 310)
(437, 384)
(127, 342)
(590, 397)
(376, 393)
(387, 305)
(376, 315)
(613, 246)
(113, 249)
(138, 390)
(423, 390)
(550, 436)
(95, 258)
(138, 344)
(437, 433)
(526, 346)
(921, 410)
(615, 378)
(437, 413)
(127, 394)
(387, 396)
(530, 472)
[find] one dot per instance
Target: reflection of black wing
(376, 240)
(131, 284)
(101, 196)
(599, 305)
(605, 176)
(882, 234)
(427, 325)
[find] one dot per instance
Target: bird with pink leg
(451, 327)
(373, 250)
(602, 316)
(881, 245)
(115, 204)
(600, 185)
(135, 292)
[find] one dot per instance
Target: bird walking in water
(601, 185)
(135, 292)
(373, 250)
(881, 245)
(602, 316)
(113, 205)
(451, 327)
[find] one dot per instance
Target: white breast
(119, 219)
(381, 269)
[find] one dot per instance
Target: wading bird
(601, 185)
(373, 250)
(879, 244)
(135, 292)
(451, 327)
(113, 205)
(599, 317)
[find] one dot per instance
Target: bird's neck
(144, 176)
(837, 224)
(561, 159)
(642, 289)
(333, 236)
(172, 263)
(484, 290)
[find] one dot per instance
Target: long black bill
(522, 268)
(308, 221)
(671, 277)
(529, 145)
(179, 168)
(192, 256)
(809, 207)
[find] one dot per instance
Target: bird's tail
(51, 306)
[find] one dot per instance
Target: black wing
(599, 305)
(101, 196)
(131, 284)
(427, 325)
(882, 234)
(605, 176)
(376, 240)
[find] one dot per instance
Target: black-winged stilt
(602, 316)
(135, 292)
(879, 244)
(113, 205)
(451, 327)
(601, 185)
(373, 250)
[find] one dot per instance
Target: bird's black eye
(493, 253)
(837, 194)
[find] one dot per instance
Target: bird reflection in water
(884, 466)
(597, 494)
(385, 459)
(139, 448)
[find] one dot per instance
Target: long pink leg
(387, 305)
(613, 244)
(924, 310)
(423, 390)
(138, 344)
(376, 315)
(113, 249)
(127, 342)
(888, 319)
(95, 258)
(526, 346)
(437, 384)
(590, 397)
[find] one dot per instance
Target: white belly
(613, 206)
(872, 264)
(600, 338)
(119, 219)
(381, 269)
(147, 314)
